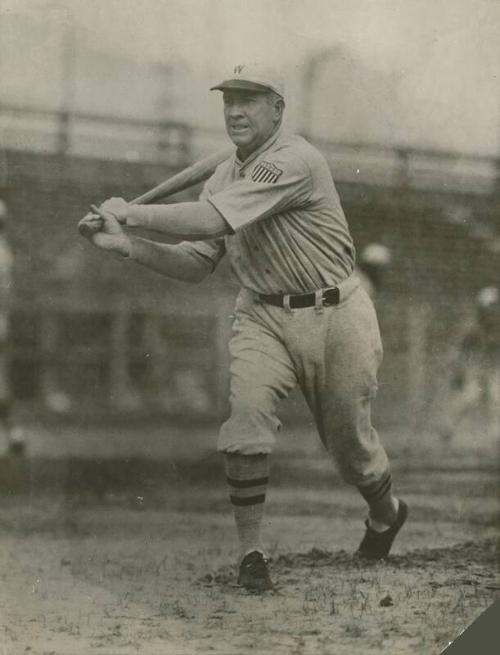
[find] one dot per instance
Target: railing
(411, 167)
(176, 143)
(94, 135)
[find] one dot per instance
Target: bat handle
(90, 226)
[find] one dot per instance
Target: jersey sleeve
(274, 185)
(206, 192)
(212, 250)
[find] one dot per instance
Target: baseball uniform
(290, 236)
(301, 316)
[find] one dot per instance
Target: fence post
(52, 392)
(152, 344)
(122, 395)
(48, 345)
(417, 348)
(403, 155)
(63, 137)
(158, 371)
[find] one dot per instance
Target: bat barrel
(198, 172)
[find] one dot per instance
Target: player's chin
(240, 137)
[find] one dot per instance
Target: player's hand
(116, 206)
(105, 233)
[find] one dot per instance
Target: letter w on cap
(238, 69)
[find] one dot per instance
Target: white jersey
(290, 234)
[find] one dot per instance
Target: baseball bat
(197, 172)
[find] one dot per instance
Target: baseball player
(475, 378)
(301, 316)
(13, 435)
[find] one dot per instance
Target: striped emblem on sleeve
(266, 173)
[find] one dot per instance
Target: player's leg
(261, 374)
(338, 366)
(247, 478)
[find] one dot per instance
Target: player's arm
(181, 261)
(190, 221)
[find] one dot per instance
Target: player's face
(250, 118)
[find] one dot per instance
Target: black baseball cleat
(376, 545)
(254, 573)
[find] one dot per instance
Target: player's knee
(350, 416)
(250, 429)
(252, 417)
(255, 406)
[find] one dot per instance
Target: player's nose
(234, 110)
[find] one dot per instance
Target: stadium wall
(85, 318)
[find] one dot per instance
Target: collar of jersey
(251, 158)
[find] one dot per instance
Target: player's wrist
(136, 216)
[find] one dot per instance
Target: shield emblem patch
(266, 172)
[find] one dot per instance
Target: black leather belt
(302, 300)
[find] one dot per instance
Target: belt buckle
(336, 300)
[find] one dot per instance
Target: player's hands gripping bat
(197, 172)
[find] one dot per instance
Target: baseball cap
(252, 77)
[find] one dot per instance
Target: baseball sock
(383, 505)
(247, 477)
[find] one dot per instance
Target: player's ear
(279, 107)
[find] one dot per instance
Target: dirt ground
(151, 569)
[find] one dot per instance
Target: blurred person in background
(12, 435)
(301, 316)
(371, 267)
(474, 384)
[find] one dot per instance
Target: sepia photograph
(235, 428)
